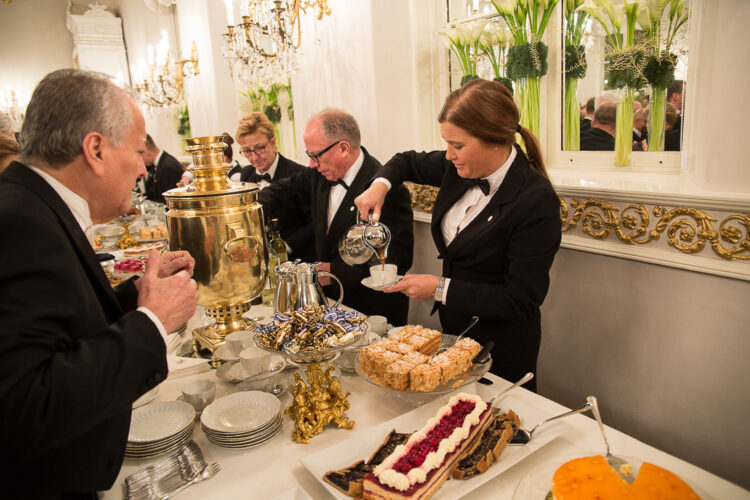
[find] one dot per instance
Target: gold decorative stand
(127, 240)
(318, 405)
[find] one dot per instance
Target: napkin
(182, 367)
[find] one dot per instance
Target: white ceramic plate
(146, 398)
(536, 484)
(241, 411)
(160, 420)
(369, 283)
(296, 493)
(345, 453)
(233, 371)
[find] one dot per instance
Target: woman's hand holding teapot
(371, 201)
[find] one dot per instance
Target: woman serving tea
(495, 223)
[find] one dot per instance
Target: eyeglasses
(258, 150)
(316, 156)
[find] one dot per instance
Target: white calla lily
(505, 6)
(593, 10)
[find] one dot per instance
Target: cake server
(522, 381)
(621, 466)
(522, 436)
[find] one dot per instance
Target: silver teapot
(364, 240)
(298, 287)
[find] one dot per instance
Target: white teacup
(239, 341)
(383, 275)
(378, 324)
(254, 360)
(199, 393)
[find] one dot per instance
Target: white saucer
(368, 282)
(224, 354)
(233, 371)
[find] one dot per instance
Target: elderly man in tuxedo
(74, 352)
(340, 169)
(164, 171)
(258, 144)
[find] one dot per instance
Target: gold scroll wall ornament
(687, 230)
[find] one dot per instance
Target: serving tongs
(621, 466)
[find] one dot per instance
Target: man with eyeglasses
(340, 170)
(258, 144)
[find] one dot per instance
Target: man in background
(74, 352)
(258, 144)
(588, 115)
(164, 171)
(340, 170)
(601, 135)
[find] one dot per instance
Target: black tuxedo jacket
(296, 229)
(596, 139)
(74, 354)
(165, 176)
(499, 264)
(307, 192)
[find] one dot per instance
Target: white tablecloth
(274, 468)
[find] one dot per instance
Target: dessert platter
(411, 456)
(590, 476)
(415, 359)
(312, 335)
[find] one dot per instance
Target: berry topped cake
(419, 467)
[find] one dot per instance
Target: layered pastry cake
(153, 232)
(416, 469)
(349, 479)
(130, 267)
(592, 477)
(403, 361)
(491, 444)
(144, 249)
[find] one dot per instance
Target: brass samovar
(220, 223)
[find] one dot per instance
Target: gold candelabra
(164, 85)
(261, 50)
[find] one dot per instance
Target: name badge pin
(489, 218)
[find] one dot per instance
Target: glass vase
(572, 116)
(529, 104)
(656, 119)
(624, 132)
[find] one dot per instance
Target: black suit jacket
(296, 228)
(165, 176)
(74, 354)
(307, 192)
(499, 264)
(596, 139)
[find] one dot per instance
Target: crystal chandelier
(262, 49)
(9, 103)
(161, 84)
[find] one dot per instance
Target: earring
(496, 148)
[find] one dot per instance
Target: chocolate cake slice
(349, 479)
(491, 445)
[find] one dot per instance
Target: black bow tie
(483, 184)
(256, 177)
(340, 182)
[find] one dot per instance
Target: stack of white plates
(242, 419)
(158, 428)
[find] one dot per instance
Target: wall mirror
(615, 49)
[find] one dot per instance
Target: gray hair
(6, 125)
(606, 98)
(67, 105)
(338, 125)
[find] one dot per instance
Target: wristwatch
(439, 289)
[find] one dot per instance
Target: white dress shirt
(80, 209)
(470, 205)
(337, 193)
(271, 172)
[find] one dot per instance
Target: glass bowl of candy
(312, 335)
